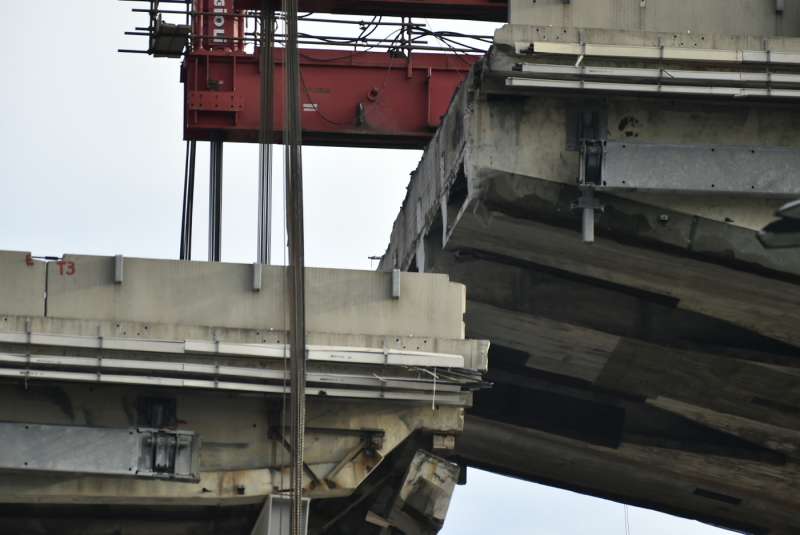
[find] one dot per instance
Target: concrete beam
(770, 436)
(521, 287)
(766, 306)
(633, 368)
(711, 489)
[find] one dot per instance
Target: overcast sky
(91, 161)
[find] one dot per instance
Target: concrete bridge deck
(148, 396)
(658, 366)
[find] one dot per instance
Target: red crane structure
(388, 92)
(239, 86)
(370, 99)
(393, 98)
(488, 10)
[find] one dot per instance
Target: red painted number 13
(66, 267)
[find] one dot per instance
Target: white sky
(91, 161)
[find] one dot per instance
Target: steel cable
(296, 271)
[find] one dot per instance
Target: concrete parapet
(22, 284)
(734, 17)
(222, 295)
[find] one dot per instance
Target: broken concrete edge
(435, 200)
(425, 207)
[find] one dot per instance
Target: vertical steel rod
(265, 204)
(215, 202)
(265, 135)
(294, 216)
(587, 228)
(188, 201)
(589, 205)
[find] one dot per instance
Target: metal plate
(275, 516)
(700, 168)
(97, 450)
(215, 101)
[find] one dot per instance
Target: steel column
(188, 201)
(265, 134)
(215, 202)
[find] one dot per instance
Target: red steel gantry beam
(351, 98)
(368, 99)
(486, 10)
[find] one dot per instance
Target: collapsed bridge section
(599, 193)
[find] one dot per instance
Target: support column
(188, 201)
(265, 205)
(265, 135)
(215, 202)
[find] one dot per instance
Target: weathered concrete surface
(747, 494)
(544, 122)
(237, 447)
(222, 295)
(511, 148)
(193, 347)
(657, 366)
(21, 284)
(473, 351)
(635, 119)
(734, 17)
(509, 34)
(541, 125)
(770, 307)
